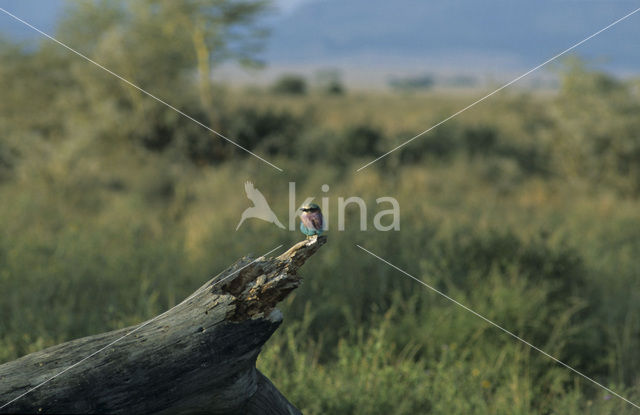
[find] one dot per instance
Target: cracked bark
(198, 357)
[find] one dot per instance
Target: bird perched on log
(311, 221)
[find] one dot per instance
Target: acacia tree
(166, 47)
(213, 31)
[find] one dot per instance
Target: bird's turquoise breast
(308, 231)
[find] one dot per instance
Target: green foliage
(290, 85)
(362, 140)
(271, 132)
(599, 134)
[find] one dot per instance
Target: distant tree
(218, 31)
(168, 48)
(462, 81)
(290, 84)
(330, 82)
(154, 42)
(412, 83)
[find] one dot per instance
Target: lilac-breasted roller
(311, 222)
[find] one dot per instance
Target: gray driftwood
(198, 357)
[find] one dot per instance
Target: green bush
(269, 131)
(362, 140)
(290, 85)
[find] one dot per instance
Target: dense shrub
(362, 140)
(271, 131)
(442, 143)
(290, 84)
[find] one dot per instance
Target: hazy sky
(289, 5)
(387, 37)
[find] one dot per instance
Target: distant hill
(488, 33)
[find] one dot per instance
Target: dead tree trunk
(198, 357)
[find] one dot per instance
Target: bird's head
(311, 207)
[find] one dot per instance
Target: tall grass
(110, 215)
(551, 262)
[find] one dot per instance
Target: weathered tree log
(198, 357)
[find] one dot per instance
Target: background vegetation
(114, 208)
